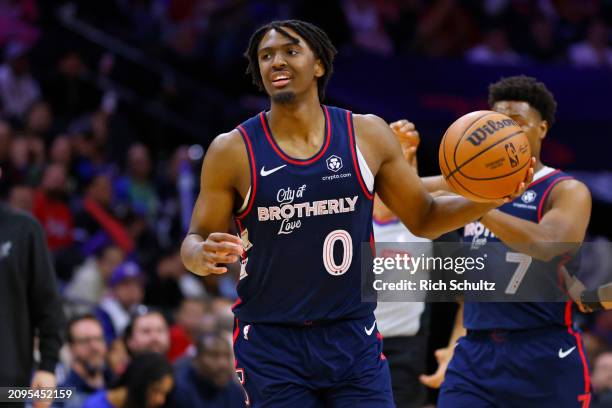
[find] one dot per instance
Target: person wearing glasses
(88, 372)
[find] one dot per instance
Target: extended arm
(403, 192)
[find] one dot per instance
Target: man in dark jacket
(30, 304)
(208, 380)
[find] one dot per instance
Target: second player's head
(289, 59)
(529, 103)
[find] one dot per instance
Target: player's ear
(543, 129)
(319, 70)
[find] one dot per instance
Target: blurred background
(107, 108)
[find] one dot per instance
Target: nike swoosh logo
(563, 354)
(371, 329)
(265, 172)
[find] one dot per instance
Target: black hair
(74, 320)
(526, 89)
(317, 40)
(144, 370)
(140, 311)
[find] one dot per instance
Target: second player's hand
(523, 185)
(218, 248)
(409, 139)
(443, 356)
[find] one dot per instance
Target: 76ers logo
(334, 163)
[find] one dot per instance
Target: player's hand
(520, 189)
(443, 356)
(43, 379)
(409, 139)
(219, 248)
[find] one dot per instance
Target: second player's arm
(561, 229)
(402, 190)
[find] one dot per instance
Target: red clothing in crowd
(56, 220)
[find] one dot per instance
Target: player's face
(529, 120)
(287, 68)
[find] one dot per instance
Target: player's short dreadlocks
(316, 39)
(526, 89)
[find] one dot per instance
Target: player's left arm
(562, 227)
(402, 190)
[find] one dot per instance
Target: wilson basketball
(484, 155)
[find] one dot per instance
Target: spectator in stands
(494, 49)
(594, 52)
(445, 29)
(209, 380)
(39, 120)
(27, 160)
(147, 332)
(145, 384)
(88, 372)
(52, 210)
(70, 89)
(21, 197)
(368, 32)
(18, 88)
(136, 186)
(96, 215)
(127, 292)
(602, 380)
(90, 280)
(190, 324)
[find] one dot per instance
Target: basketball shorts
(543, 368)
(335, 365)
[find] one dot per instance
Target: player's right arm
(207, 243)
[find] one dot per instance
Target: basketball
(484, 155)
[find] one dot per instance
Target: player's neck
(538, 166)
(298, 119)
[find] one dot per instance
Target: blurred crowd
(115, 206)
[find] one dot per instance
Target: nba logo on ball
(528, 196)
(334, 163)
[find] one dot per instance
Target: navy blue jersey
(303, 225)
(519, 273)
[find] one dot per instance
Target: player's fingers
(398, 123)
(224, 247)
(431, 381)
(407, 127)
(220, 257)
(212, 269)
(222, 236)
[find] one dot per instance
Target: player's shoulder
(368, 121)
(227, 146)
(570, 188)
(373, 130)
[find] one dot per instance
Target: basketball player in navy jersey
(299, 182)
(522, 354)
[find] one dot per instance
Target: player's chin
(283, 96)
